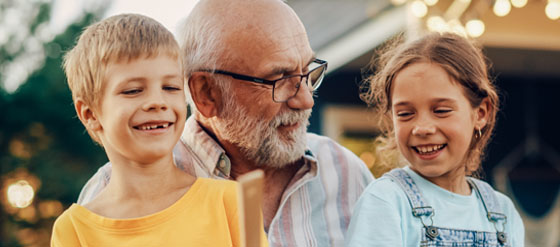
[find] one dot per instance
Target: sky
(168, 12)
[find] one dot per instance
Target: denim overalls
(437, 236)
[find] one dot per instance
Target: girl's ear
(482, 113)
(87, 116)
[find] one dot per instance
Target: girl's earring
(478, 134)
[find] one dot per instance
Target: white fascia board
(364, 38)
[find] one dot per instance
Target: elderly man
(251, 76)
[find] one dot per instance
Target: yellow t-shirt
(205, 216)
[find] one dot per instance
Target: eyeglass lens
(288, 87)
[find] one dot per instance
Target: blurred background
(46, 155)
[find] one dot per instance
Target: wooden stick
(250, 208)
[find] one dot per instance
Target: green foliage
(41, 135)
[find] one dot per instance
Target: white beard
(261, 142)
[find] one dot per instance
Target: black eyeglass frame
(322, 63)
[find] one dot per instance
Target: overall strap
(489, 200)
(494, 212)
(415, 197)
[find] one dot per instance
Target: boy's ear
(204, 94)
(482, 113)
(87, 116)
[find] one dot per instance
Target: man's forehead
(269, 53)
(256, 35)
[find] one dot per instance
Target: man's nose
(303, 100)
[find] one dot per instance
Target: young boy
(127, 86)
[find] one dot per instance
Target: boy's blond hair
(120, 38)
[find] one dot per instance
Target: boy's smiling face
(142, 110)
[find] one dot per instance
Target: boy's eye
(171, 88)
(132, 91)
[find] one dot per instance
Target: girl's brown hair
(460, 58)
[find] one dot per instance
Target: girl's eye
(132, 91)
(442, 111)
(404, 114)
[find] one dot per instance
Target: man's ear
(204, 94)
(482, 113)
(87, 116)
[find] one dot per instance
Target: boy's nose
(155, 102)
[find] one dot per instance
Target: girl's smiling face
(433, 121)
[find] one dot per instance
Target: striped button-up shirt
(316, 206)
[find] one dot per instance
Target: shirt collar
(311, 162)
(211, 155)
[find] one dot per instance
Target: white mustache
(290, 118)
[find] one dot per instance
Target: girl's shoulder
(505, 202)
(386, 189)
(507, 207)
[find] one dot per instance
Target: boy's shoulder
(217, 183)
(64, 232)
(65, 219)
(218, 186)
(219, 192)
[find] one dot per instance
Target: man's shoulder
(317, 142)
(330, 153)
(325, 147)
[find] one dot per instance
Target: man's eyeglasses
(288, 86)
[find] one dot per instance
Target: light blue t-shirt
(383, 216)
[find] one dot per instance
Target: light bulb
(502, 7)
(475, 28)
(519, 3)
(430, 2)
(552, 10)
(419, 8)
(20, 194)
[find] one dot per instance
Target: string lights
(461, 16)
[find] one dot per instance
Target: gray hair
(200, 38)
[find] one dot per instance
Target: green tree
(41, 140)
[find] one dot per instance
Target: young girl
(442, 108)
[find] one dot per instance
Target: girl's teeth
(428, 149)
